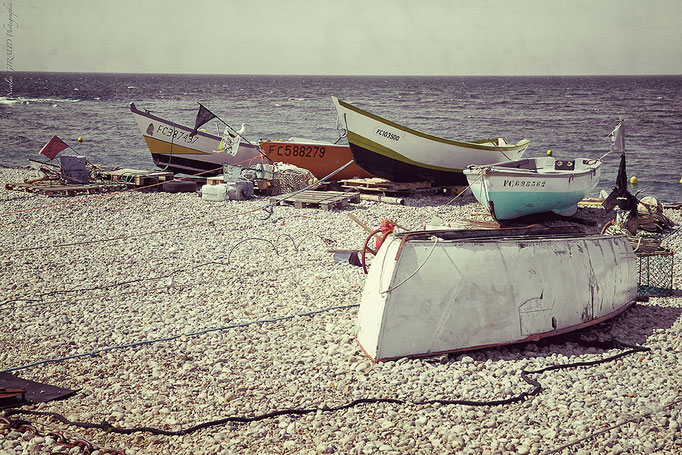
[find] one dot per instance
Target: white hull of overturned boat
(437, 292)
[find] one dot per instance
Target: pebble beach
(166, 311)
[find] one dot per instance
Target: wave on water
(571, 116)
(8, 100)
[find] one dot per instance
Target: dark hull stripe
(399, 171)
(179, 165)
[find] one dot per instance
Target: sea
(571, 116)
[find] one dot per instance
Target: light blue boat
(535, 185)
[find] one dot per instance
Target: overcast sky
(358, 37)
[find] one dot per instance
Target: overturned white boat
(432, 292)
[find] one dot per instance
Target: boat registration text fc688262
(524, 183)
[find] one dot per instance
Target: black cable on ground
(605, 430)
(537, 388)
(177, 336)
(229, 254)
(101, 287)
(38, 297)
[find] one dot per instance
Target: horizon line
(339, 75)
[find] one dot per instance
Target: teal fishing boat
(535, 185)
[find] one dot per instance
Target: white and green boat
(394, 152)
(535, 185)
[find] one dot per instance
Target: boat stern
(521, 148)
(374, 302)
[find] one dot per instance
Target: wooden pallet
(64, 190)
(377, 185)
(326, 200)
(135, 177)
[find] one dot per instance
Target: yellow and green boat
(398, 153)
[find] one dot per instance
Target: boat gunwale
(514, 238)
(497, 235)
(498, 169)
(148, 115)
(288, 142)
(515, 231)
(530, 338)
(478, 144)
(511, 173)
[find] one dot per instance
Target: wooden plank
(383, 198)
(364, 226)
(383, 186)
(135, 177)
(326, 200)
(591, 202)
(64, 190)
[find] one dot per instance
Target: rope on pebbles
(175, 337)
(537, 388)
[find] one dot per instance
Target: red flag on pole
(52, 148)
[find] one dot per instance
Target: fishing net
(655, 273)
(290, 180)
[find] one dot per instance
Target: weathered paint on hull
(399, 171)
(507, 206)
(319, 158)
(462, 294)
(172, 148)
(184, 160)
(510, 194)
(395, 152)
